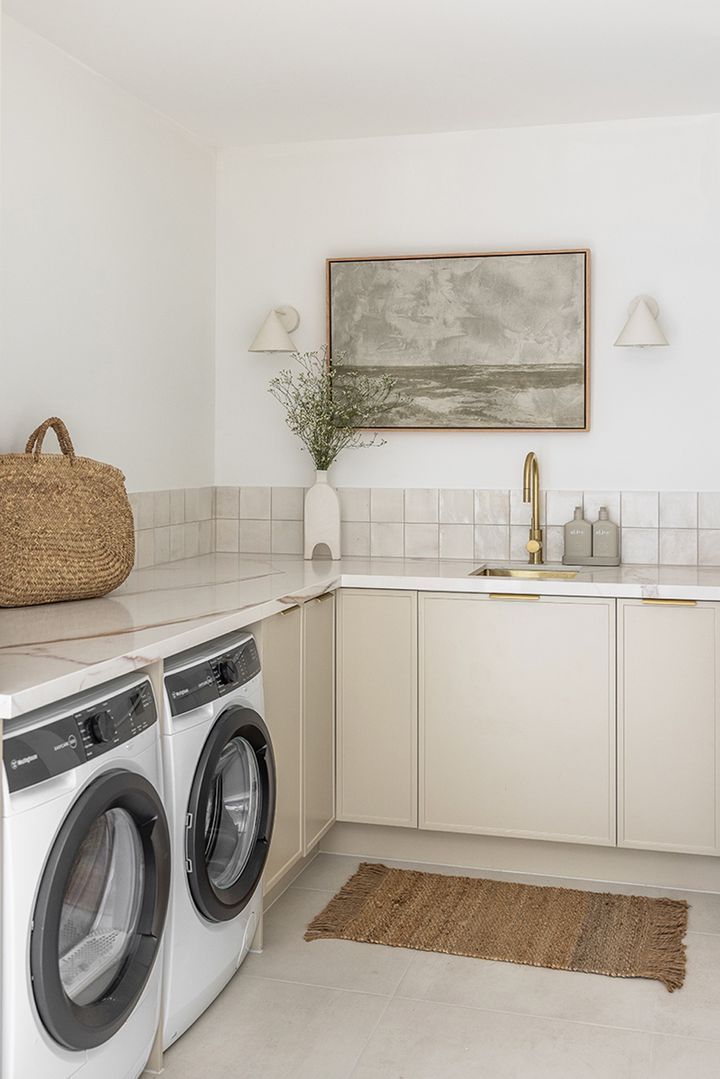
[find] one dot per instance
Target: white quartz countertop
(55, 650)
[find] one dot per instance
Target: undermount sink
(525, 574)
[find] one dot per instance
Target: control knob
(228, 671)
(102, 727)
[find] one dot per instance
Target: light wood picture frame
(495, 341)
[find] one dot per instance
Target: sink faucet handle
(533, 546)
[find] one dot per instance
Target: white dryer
(219, 775)
(86, 871)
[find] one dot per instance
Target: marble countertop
(52, 651)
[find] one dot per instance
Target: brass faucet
(531, 493)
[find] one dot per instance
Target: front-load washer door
(230, 814)
(100, 910)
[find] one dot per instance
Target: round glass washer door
(230, 814)
(99, 921)
(233, 814)
(100, 910)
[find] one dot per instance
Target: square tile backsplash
(170, 525)
(680, 528)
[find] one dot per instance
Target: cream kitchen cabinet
(517, 716)
(281, 643)
(377, 707)
(298, 655)
(318, 718)
(668, 726)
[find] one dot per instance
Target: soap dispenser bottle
(605, 536)
(578, 537)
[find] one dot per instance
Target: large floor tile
(704, 914)
(333, 870)
(510, 987)
(340, 964)
(328, 872)
(275, 1030)
(694, 1010)
(636, 1003)
(417, 1040)
(684, 1058)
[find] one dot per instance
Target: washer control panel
(53, 747)
(116, 720)
(212, 678)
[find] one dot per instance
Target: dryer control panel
(212, 678)
(58, 745)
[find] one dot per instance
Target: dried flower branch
(326, 404)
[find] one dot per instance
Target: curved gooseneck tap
(531, 493)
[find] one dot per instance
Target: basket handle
(34, 443)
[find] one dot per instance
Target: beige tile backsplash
(386, 539)
(673, 527)
(255, 503)
(287, 503)
(421, 505)
(456, 540)
(639, 509)
(421, 540)
(170, 525)
(387, 504)
(456, 507)
(253, 537)
(679, 509)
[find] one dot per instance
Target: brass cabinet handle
(325, 595)
(671, 602)
(288, 610)
(512, 595)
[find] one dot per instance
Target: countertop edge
(177, 636)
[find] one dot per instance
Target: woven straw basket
(66, 527)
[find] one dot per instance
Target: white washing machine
(219, 776)
(86, 872)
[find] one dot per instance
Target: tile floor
(337, 1009)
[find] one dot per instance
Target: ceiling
(248, 71)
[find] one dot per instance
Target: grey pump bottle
(578, 537)
(605, 536)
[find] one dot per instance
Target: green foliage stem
(327, 404)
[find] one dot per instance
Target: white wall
(108, 271)
(643, 195)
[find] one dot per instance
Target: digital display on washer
(52, 748)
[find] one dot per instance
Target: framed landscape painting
(495, 341)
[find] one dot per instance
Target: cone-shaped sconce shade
(641, 329)
(274, 334)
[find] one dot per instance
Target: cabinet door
(377, 707)
(282, 673)
(668, 726)
(318, 717)
(517, 716)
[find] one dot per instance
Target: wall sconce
(274, 334)
(641, 329)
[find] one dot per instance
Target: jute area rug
(561, 928)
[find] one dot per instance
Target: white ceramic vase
(322, 518)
